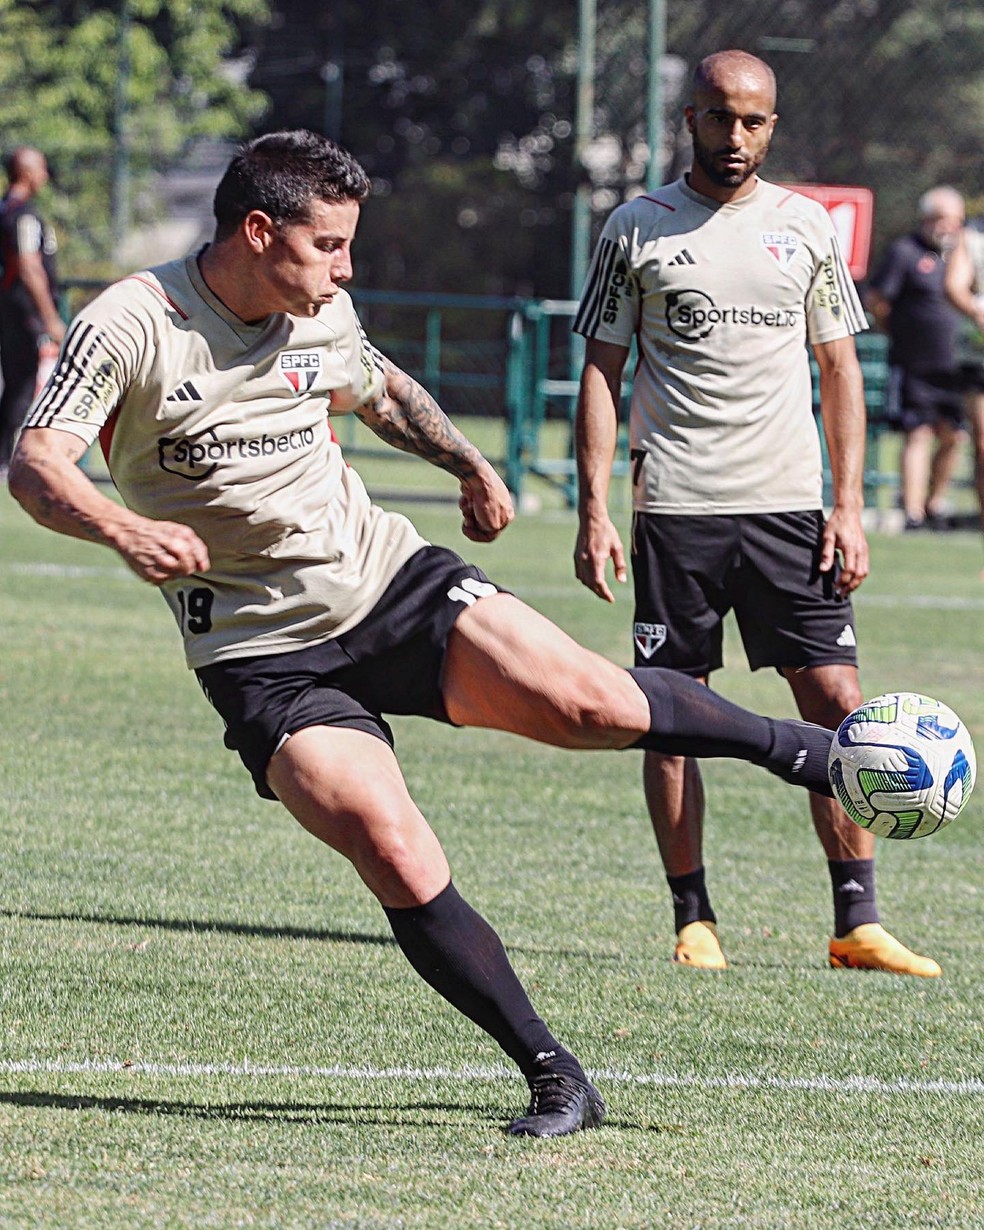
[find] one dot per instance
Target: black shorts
(391, 662)
(972, 377)
(689, 571)
(923, 399)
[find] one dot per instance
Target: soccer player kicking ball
(307, 612)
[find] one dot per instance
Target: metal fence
(512, 358)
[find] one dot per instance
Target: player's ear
(688, 115)
(259, 230)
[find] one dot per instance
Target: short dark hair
(282, 173)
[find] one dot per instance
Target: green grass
(205, 1023)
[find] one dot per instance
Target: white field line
(531, 593)
(70, 571)
(849, 1086)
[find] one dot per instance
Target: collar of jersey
(709, 202)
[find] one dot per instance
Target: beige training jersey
(223, 426)
(722, 300)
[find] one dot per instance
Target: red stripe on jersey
(106, 434)
(153, 286)
(335, 440)
(786, 198)
(656, 201)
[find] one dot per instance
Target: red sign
(851, 211)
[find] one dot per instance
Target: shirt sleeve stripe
(854, 315)
(72, 371)
(588, 316)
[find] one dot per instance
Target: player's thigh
(508, 667)
(346, 788)
(682, 571)
(789, 612)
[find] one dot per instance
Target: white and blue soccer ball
(902, 765)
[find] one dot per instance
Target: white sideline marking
(63, 571)
(782, 1084)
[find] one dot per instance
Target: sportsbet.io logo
(199, 458)
(692, 315)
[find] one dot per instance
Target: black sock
(853, 882)
(689, 719)
(690, 900)
(456, 951)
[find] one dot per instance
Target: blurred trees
(73, 72)
(463, 113)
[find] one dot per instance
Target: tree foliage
(464, 113)
(75, 74)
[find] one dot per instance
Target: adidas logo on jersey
(184, 392)
(682, 258)
(847, 637)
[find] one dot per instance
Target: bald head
(731, 120)
(27, 170)
(735, 71)
(941, 217)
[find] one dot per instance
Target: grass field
(206, 1023)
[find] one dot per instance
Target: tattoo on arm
(406, 416)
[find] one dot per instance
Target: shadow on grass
(205, 925)
(258, 1112)
(417, 1114)
(217, 926)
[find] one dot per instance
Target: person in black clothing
(908, 301)
(30, 327)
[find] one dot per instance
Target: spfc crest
(301, 368)
(780, 246)
(648, 638)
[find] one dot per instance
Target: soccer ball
(902, 765)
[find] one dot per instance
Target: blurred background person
(965, 289)
(31, 329)
(907, 298)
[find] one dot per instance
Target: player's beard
(705, 159)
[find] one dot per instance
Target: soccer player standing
(723, 279)
(307, 612)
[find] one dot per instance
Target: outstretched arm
(405, 415)
(46, 480)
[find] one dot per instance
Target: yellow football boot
(698, 947)
(870, 946)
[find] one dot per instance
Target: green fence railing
(513, 358)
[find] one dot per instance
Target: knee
(841, 700)
(402, 868)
